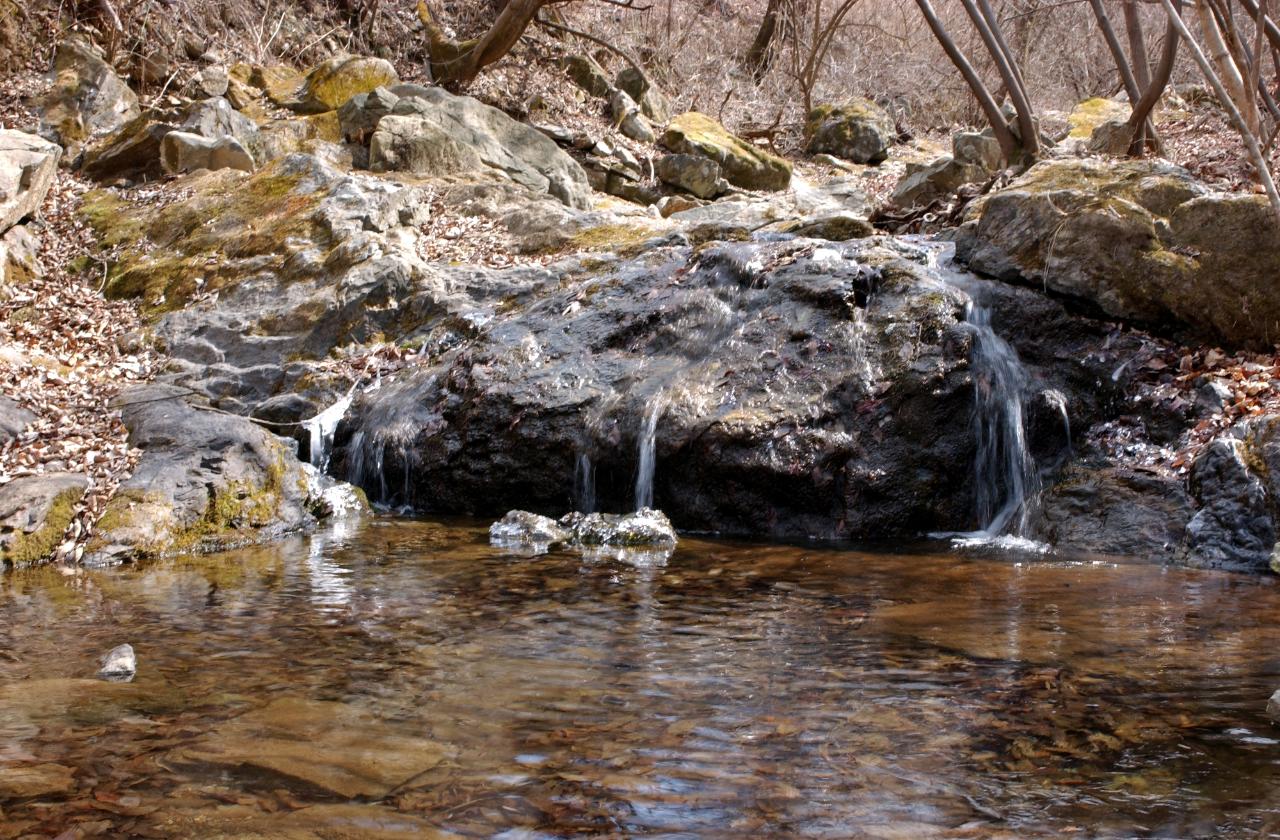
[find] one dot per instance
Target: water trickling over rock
(1005, 481)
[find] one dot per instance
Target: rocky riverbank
(519, 316)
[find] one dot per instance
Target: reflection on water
(404, 679)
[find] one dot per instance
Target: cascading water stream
(584, 484)
(1005, 479)
(321, 428)
(648, 454)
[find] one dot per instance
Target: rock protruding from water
(119, 665)
(644, 529)
(206, 481)
(1273, 707)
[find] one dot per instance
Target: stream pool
(404, 679)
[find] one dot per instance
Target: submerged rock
(26, 781)
(333, 746)
(119, 665)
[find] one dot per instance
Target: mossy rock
(34, 515)
(744, 165)
(857, 130)
(1091, 113)
(332, 83)
(170, 253)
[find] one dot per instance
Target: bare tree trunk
(1229, 72)
(1143, 108)
(1137, 45)
(760, 55)
(1026, 117)
(460, 63)
(1219, 87)
(1008, 144)
(1117, 52)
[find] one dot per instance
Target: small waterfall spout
(584, 484)
(1004, 472)
(321, 428)
(648, 435)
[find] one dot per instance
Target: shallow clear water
(407, 679)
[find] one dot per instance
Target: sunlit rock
(119, 665)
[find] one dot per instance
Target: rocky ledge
(423, 296)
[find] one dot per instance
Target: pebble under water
(405, 679)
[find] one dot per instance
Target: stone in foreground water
(1273, 707)
(119, 665)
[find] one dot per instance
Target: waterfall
(584, 484)
(1005, 477)
(648, 446)
(321, 428)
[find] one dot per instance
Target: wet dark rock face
(800, 389)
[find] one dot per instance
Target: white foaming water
(321, 428)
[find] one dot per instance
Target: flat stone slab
(35, 780)
(333, 746)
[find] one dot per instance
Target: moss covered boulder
(1140, 241)
(206, 481)
(329, 85)
(744, 165)
(858, 130)
(1090, 114)
(34, 514)
(87, 98)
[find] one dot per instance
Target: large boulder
(853, 421)
(330, 84)
(1091, 114)
(1114, 509)
(858, 130)
(744, 165)
(1141, 241)
(28, 165)
(215, 118)
(206, 481)
(278, 83)
(473, 136)
(87, 98)
(181, 151)
(34, 514)
(359, 116)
